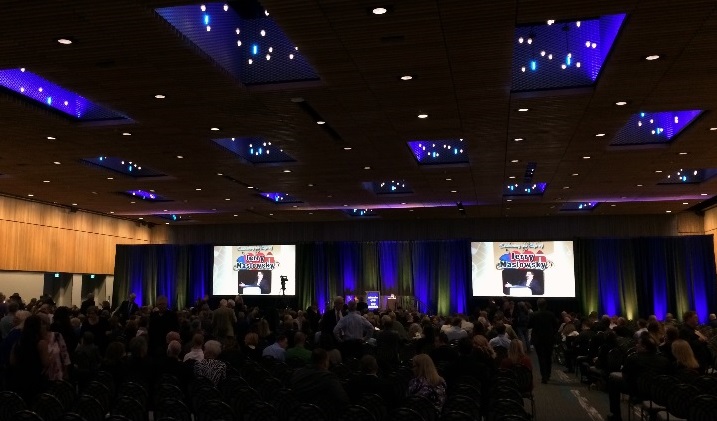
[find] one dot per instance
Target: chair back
(463, 404)
(703, 408)
(457, 416)
(406, 414)
(174, 409)
(308, 412)
(47, 407)
(130, 408)
(89, 408)
(423, 406)
(678, 404)
(10, 403)
(100, 392)
(356, 413)
(615, 358)
(261, 411)
(214, 410)
(64, 392)
(707, 384)
(524, 377)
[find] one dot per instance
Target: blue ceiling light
(689, 176)
(279, 198)
(120, 165)
(46, 94)
(146, 195)
(440, 151)
(243, 39)
(172, 217)
(578, 206)
(391, 187)
(361, 213)
(256, 150)
(562, 54)
(654, 128)
(524, 189)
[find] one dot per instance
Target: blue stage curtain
(642, 276)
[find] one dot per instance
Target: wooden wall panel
(44, 238)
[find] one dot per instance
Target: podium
(391, 303)
(520, 291)
(251, 291)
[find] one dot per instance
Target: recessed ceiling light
(166, 223)
(179, 157)
(295, 206)
(347, 148)
(311, 213)
(454, 191)
(64, 41)
(511, 177)
(713, 128)
(703, 194)
(249, 187)
(74, 204)
(652, 57)
(287, 170)
(449, 179)
(423, 115)
(198, 189)
(522, 110)
(126, 134)
(236, 215)
(639, 185)
(683, 153)
(566, 187)
(575, 174)
(345, 205)
(403, 203)
(112, 212)
(613, 205)
(514, 161)
(57, 162)
(50, 138)
(45, 181)
(410, 210)
(110, 178)
(586, 157)
(379, 10)
(509, 200)
(310, 185)
(159, 96)
(685, 203)
(214, 129)
(621, 103)
(30, 195)
(518, 139)
(406, 77)
(321, 122)
(658, 171)
(367, 168)
(132, 202)
(227, 199)
(600, 135)
(668, 211)
(271, 214)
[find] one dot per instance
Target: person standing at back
(544, 325)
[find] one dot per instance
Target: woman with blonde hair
(426, 381)
(481, 346)
(516, 356)
(686, 366)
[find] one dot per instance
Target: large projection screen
(523, 269)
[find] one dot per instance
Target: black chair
(525, 385)
(356, 413)
(204, 394)
(167, 391)
(214, 410)
(10, 403)
(71, 416)
(261, 411)
(284, 401)
(269, 387)
(706, 384)
(512, 417)
(505, 373)
(295, 362)
(64, 392)
(678, 404)
(423, 406)
(308, 412)
(106, 379)
(244, 398)
(172, 408)
(457, 416)
(464, 404)
(502, 407)
(230, 387)
(27, 415)
(375, 404)
(117, 418)
(166, 419)
(47, 407)
(703, 408)
(89, 408)
(466, 390)
(100, 392)
(129, 407)
(506, 393)
(406, 414)
(134, 390)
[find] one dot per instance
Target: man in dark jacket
(316, 384)
(545, 327)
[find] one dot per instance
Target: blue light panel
(120, 165)
(361, 213)
(256, 150)
(441, 151)
(555, 55)
(146, 195)
(654, 128)
(524, 189)
(252, 48)
(49, 95)
(391, 187)
(579, 206)
(689, 176)
(172, 217)
(279, 198)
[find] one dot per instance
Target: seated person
(210, 367)
(369, 382)
(299, 351)
(686, 368)
(443, 353)
(426, 382)
(197, 351)
(277, 350)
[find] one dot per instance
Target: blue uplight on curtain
(389, 261)
(608, 271)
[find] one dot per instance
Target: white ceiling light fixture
(64, 41)
(379, 10)
(621, 103)
(406, 77)
(523, 110)
(600, 135)
(422, 115)
(160, 96)
(652, 57)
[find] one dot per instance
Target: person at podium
(263, 284)
(535, 285)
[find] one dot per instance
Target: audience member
(316, 384)
(426, 381)
(211, 367)
(196, 353)
(277, 350)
